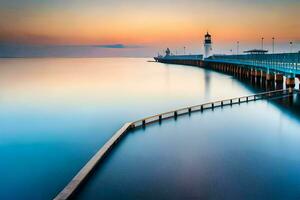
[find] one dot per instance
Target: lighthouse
(207, 45)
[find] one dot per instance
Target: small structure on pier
(256, 51)
(168, 52)
(171, 58)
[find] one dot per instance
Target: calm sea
(56, 113)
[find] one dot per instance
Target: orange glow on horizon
(154, 26)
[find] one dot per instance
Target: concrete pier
(298, 76)
(270, 82)
(252, 73)
(258, 73)
(263, 75)
(270, 77)
(247, 73)
(290, 82)
(258, 76)
(279, 78)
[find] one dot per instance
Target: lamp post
(262, 43)
(291, 47)
(237, 47)
(273, 45)
(184, 50)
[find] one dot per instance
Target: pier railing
(83, 174)
(210, 105)
(281, 62)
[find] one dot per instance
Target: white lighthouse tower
(207, 45)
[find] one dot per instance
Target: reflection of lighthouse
(207, 45)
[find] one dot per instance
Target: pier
(74, 185)
(255, 63)
(270, 68)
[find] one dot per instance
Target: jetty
(278, 68)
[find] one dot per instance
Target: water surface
(56, 113)
(247, 151)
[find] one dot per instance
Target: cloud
(24, 50)
(118, 46)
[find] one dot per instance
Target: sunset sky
(145, 27)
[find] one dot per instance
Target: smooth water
(247, 151)
(56, 113)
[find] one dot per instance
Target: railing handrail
(209, 103)
(282, 62)
(79, 178)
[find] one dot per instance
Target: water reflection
(56, 113)
(249, 150)
(244, 151)
(290, 104)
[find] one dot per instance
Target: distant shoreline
(71, 57)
